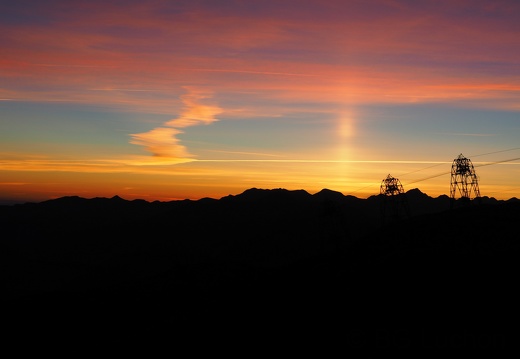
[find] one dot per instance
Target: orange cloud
(161, 141)
(195, 113)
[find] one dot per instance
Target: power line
(359, 189)
(494, 163)
(490, 153)
(422, 169)
(429, 177)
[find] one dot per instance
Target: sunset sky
(166, 100)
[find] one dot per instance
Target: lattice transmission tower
(464, 180)
(394, 203)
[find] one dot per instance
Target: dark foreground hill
(264, 266)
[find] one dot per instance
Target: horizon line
(10, 202)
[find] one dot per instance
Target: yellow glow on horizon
(218, 178)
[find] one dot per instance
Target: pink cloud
(327, 51)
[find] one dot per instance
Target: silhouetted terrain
(265, 263)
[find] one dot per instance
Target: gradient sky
(165, 100)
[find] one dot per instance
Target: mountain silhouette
(322, 266)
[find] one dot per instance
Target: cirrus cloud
(162, 141)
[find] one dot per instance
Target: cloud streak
(162, 141)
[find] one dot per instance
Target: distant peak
(326, 190)
(117, 198)
(329, 194)
(263, 194)
(415, 190)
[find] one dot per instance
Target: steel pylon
(464, 180)
(393, 202)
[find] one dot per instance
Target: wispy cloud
(194, 112)
(255, 72)
(72, 65)
(162, 141)
(245, 153)
(466, 134)
(124, 90)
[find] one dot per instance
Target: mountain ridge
(135, 268)
(258, 193)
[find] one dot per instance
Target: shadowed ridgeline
(307, 262)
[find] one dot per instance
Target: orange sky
(172, 100)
